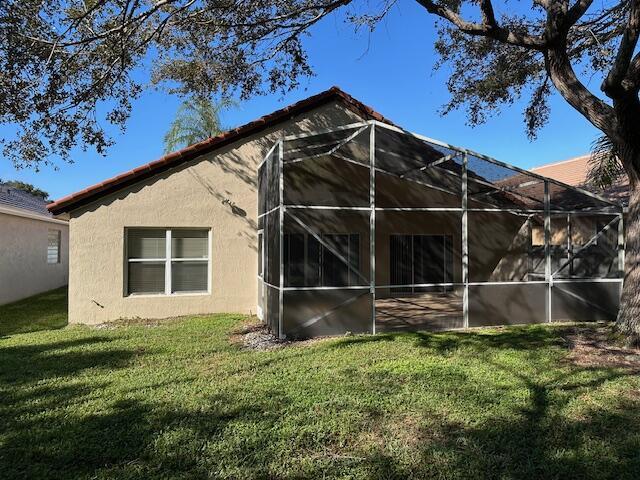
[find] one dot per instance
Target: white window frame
(168, 261)
(59, 239)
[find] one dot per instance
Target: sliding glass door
(419, 260)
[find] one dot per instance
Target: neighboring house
(33, 246)
(325, 218)
(575, 171)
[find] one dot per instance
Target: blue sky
(391, 70)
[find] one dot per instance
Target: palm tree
(197, 119)
(605, 168)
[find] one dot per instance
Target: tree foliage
(26, 187)
(68, 67)
(197, 119)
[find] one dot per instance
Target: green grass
(181, 401)
(42, 312)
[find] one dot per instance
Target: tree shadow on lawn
(45, 311)
(540, 441)
(138, 439)
(519, 338)
(543, 438)
(253, 431)
(30, 363)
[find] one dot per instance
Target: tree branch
(613, 84)
(601, 115)
(485, 29)
(632, 78)
(574, 13)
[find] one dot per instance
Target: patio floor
(419, 311)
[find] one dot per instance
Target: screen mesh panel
(428, 310)
(262, 186)
(273, 181)
(312, 313)
(496, 186)
(594, 249)
(401, 153)
(507, 304)
(327, 248)
(585, 301)
(326, 181)
(272, 248)
(499, 247)
(271, 308)
(566, 198)
(348, 142)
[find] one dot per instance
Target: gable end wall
(217, 191)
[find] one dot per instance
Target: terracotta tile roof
(174, 159)
(574, 172)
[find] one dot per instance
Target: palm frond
(197, 119)
(605, 168)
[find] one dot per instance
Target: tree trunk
(628, 321)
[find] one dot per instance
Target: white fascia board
(18, 212)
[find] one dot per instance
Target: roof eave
(171, 160)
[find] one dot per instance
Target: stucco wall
(24, 270)
(217, 191)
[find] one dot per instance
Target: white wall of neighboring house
(25, 269)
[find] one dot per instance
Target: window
(167, 261)
(53, 246)
(307, 262)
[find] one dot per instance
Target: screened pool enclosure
(368, 228)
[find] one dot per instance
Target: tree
(26, 187)
(197, 119)
(61, 60)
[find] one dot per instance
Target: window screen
(53, 246)
(154, 269)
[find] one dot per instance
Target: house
(33, 246)
(324, 218)
(575, 171)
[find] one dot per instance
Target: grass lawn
(42, 312)
(180, 401)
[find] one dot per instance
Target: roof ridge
(568, 160)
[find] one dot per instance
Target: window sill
(164, 295)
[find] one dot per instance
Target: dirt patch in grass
(254, 335)
(599, 347)
(138, 322)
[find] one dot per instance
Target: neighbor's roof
(179, 157)
(574, 172)
(14, 198)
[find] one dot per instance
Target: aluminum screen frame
(479, 183)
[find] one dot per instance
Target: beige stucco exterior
(24, 270)
(216, 191)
